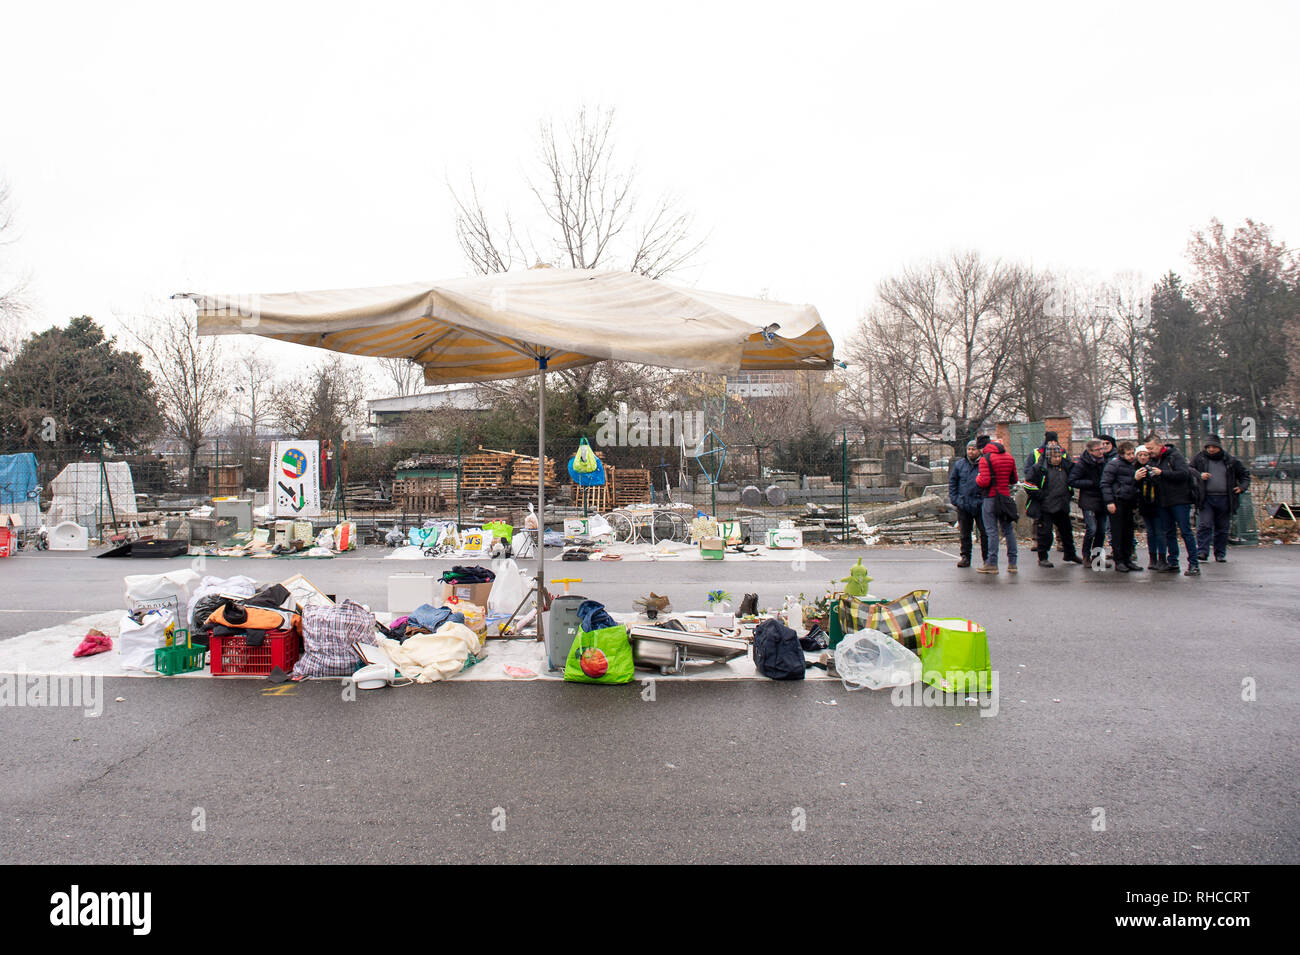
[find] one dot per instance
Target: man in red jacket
(997, 476)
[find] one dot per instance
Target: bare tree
(323, 401)
(893, 393)
(489, 248)
(1090, 358)
(189, 372)
(13, 306)
(1036, 338)
(252, 393)
(589, 210)
(407, 376)
(951, 310)
(1130, 344)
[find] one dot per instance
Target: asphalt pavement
(1139, 718)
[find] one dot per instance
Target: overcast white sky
(154, 148)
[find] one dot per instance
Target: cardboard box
(712, 548)
(474, 593)
(784, 538)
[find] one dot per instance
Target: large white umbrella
(522, 323)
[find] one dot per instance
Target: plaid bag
(900, 618)
(328, 634)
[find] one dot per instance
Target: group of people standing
(1116, 484)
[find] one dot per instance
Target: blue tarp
(17, 479)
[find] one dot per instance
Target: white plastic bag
(136, 642)
(871, 660)
(170, 590)
(509, 588)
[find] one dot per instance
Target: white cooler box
(406, 592)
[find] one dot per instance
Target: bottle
(794, 615)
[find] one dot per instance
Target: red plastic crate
(232, 656)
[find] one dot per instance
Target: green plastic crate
(169, 661)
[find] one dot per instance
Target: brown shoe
(987, 569)
(1011, 569)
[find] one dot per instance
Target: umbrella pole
(541, 497)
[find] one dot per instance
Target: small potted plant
(719, 601)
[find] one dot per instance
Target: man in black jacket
(1175, 494)
(1048, 482)
(964, 494)
(1120, 492)
(1085, 477)
(1220, 479)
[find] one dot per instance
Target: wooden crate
(597, 500)
(631, 487)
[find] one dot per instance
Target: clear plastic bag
(509, 588)
(871, 660)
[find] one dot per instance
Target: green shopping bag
(954, 655)
(584, 461)
(601, 656)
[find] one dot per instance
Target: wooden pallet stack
(487, 469)
(524, 472)
(423, 494)
(631, 487)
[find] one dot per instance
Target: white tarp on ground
(49, 651)
(682, 553)
(81, 494)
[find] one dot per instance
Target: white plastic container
(406, 592)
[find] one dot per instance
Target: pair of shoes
(1193, 571)
(1045, 563)
(1134, 568)
(1168, 568)
(1121, 568)
(1011, 569)
(964, 562)
(1076, 559)
(987, 569)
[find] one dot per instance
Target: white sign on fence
(295, 478)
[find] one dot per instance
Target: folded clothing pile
(468, 575)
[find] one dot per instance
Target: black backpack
(777, 653)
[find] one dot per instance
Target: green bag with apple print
(601, 656)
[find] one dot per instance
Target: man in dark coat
(1220, 479)
(964, 494)
(1048, 480)
(1085, 477)
(1175, 494)
(1120, 492)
